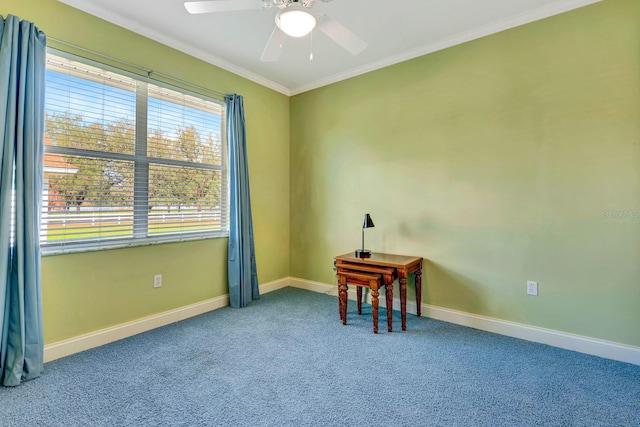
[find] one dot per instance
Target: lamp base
(363, 253)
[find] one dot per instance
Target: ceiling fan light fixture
(295, 21)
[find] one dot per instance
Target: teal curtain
(243, 275)
(22, 67)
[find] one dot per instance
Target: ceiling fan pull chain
(311, 54)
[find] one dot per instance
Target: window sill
(129, 243)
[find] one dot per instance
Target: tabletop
(387, 260)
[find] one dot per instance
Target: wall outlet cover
(532, 288)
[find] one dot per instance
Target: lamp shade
(368, 222)
(295, 21)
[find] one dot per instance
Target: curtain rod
(147, 71)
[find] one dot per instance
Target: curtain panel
(243, 275)
(22, 68)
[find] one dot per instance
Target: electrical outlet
(532, 288)
(157, 280)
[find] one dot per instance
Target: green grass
(79, 226)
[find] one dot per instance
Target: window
(128, 160)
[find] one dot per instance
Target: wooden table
(403, 267)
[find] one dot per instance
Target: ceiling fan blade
(212, 6)
(341, 35)
(273, 49)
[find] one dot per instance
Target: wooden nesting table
(402, 266)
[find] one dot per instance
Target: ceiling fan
(294, 19)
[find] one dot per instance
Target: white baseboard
(274, 286)
(583, 344)
(319, 287)
(104, 336)
(568, 341)
(579, 343)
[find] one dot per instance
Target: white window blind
(128, 161)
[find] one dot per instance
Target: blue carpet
(286, 360)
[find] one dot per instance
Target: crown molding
(556, 8)
(552, 9)
(145, 31)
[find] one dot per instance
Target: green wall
(501, 160)
(90, 291)
(497, 161)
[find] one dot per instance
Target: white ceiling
(395, 30)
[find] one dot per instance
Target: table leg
(359, 298)
(339, 299)
(342, 297)
(388, 290)
(418, 291)
(402, 279)
(374, 304)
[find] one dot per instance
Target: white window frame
(141, 163)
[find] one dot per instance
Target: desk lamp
(368, 223)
